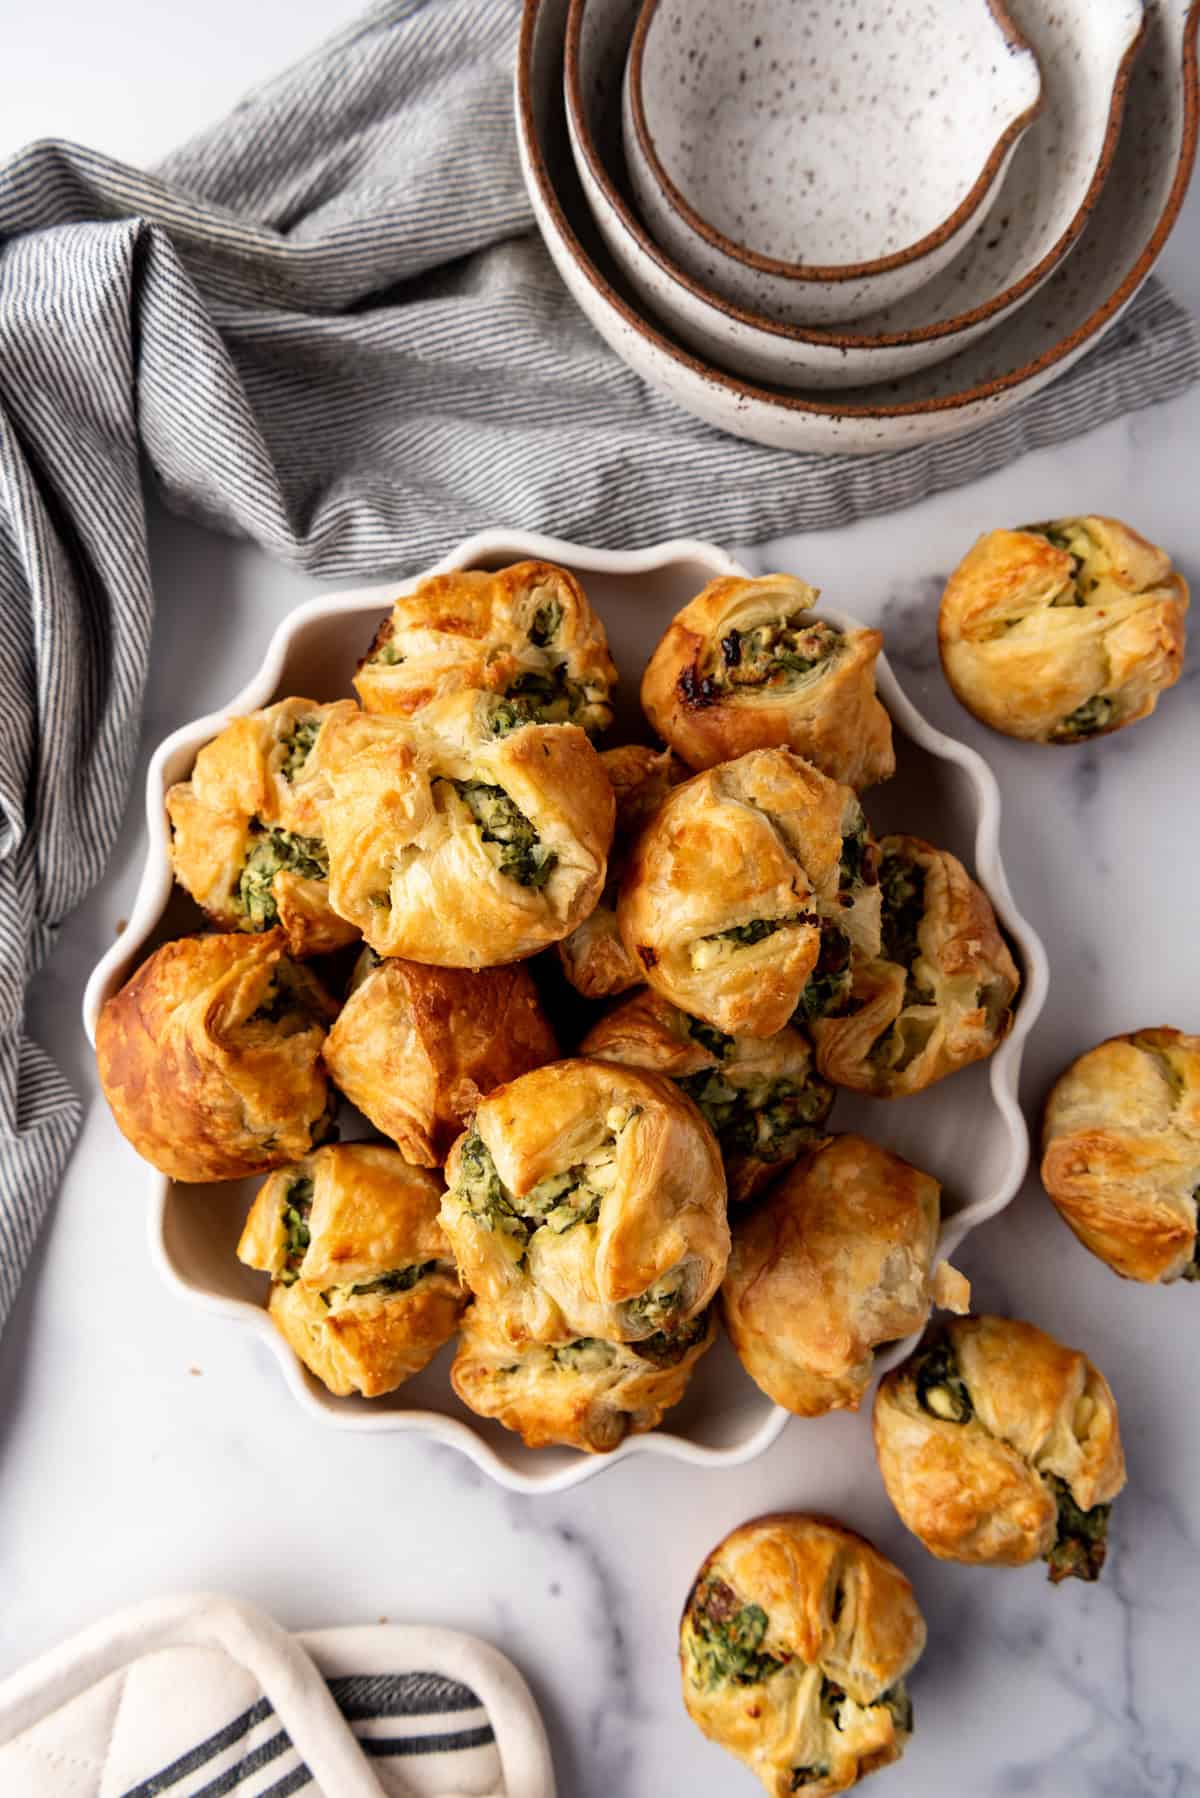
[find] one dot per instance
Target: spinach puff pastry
(1121, 1152)
(246, 835)
(588, 1200)
(526, 634)
(363, 1286)
(794, 1646)
(1064, 631)
(594, 959)
(744, 667)
(457, 841)
(835, 1260)
(761, 1096)
(997, 1445)
(939, 994)
(587, 1393)
(210, 1057)
(416, 1048)
(746, 892)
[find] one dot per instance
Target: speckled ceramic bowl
(968, 1131)
(1086, 54)
(822, 158)
(1122, 240)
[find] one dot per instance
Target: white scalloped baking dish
(967, 1130)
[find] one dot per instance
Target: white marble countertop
(146, 1448)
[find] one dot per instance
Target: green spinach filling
(397, 1279)
(523, 856)
(940, 1387)
(657, 1307)
(767, 1118)
(777, 654)
(1071, 537)
(557, 1203)
(717, 1042)
(297, 745)
(665, 1348)
(546, 623)
(275, 851)
(588, 1354)
(1081, 1546)
(1087, 720)
(384, 653)
(902, 888)
(756, 931)
(297, 1206)
(828, 986)
(726, 1638)
(858, 862)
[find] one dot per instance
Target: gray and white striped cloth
(327, 325)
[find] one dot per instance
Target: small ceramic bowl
(1124, 236)
(828, 159)
(1086, 55)
(968, 1131)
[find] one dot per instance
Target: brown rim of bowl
(814, 334)
(824, 408)
(838, 271)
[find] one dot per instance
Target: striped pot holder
(203, 1697)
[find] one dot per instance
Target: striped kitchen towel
(328, 325)
(203, 1697)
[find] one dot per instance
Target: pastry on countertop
(1061, 632)
(210, 1057)
(593, 957)
(586, 1393)
(747, 891)
(457, 841)
(762, 1096)
(415, 1048)
(363, 1284)
(588, 1200)
(794, 1647)
(1121, 1152)
(744, 666)
(246, 834)
(526, 634)
(998, 1445)
(938, 996)
(836, 1259)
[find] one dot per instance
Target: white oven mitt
(205, 1697)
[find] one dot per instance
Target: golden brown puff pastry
(744, 667)
(456, 841)
(587, 1394)
(1121, 1152)
(761, 1095)
(525, 633)
(246, 837)
(938, 996)
(588, 1200)
(837, 1259)
(997, 1444)
(1064, 631)
(593, 957)
(415, 1048)
(747, 890)
(794, 1646)
(363, 1285)
(210, 1057)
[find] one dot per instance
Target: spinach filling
(588, 1354)
(828, 986)
(297, 1206)
(1081, 1546)
(549, 698)
(941, 1389)
(297, 745)
(717, 1042)
(384, 653)
(397, 1279)
(767, 1118)
(756, 931)
(725, 1643)
(1087, 720)
(274, 852)
(558, 1202)
(832, 1701)
(658, 1306)
(778, 654)
(858, 863)
(808, 1776)
(902, 887)
(523, 856)
(546, 623)
(1070, 536)
(665, 1348)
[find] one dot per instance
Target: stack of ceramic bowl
(855, 226)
